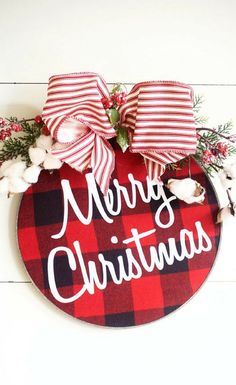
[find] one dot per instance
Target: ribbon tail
(77, 154)
(156, 162)
(154, 170)
(102, 162)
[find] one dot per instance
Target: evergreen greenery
(19, 146)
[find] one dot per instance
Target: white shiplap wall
(125, 41)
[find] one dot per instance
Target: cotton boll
(4, 186)
(228, 176)
(188, 190)
(17, 185)
(37, 155)
(31, 174)
(44, 142)
(223, 214)
(15, 169)
(5, 165)
(232, 193)
(182, 187)
(230, 170)
(195, 199)
(225, 181)
(51, 162)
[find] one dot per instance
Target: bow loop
(77, 120)
(160, 116)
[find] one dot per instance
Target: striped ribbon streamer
(160, 116)
(77, 120)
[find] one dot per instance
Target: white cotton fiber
(182, 187)
(51, 162)
(187, 190)
(5, 165)
(4, 186)
(15, 169)
(37, 155)
(17, 185)
(31, 174)
(44, 142)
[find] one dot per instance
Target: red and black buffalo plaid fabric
(138, 301)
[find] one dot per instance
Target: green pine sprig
(197, 105)
(19, 146)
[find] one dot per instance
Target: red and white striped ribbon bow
(76, 118)
(160, 116)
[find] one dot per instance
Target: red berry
(3, 135)
(2, 122)
(106, 103)
(38, 119)
(208, 157)
(222, 148)
(45, 131)
(118, 98)
(8, 132)
(15, 127)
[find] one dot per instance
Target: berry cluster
(10, 126)
(220, 150)
(44, 129)
(117, 98)
(7, 127)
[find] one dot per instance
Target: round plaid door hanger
(123, 260)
